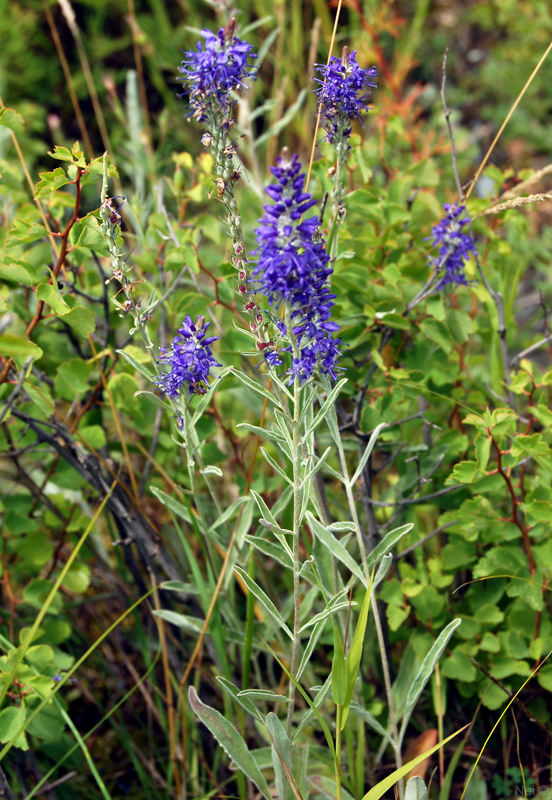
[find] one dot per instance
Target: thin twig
(425, 539)
(531, 349)
(449, 126)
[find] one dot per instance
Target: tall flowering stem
(344, 91)
(211, 73)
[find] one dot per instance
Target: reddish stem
(515, 507)
(62, 253)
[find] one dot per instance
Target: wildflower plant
(279, 574)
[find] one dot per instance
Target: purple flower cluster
(190, 359)
(214, 69)
(454, 247)
(292, 268)
(344, 91)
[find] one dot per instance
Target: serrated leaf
(230, 740)
(50, 182)
(15, 273)
(12, 119)
(81, 319)
(23, 232)
(47, 293)
(18, 346)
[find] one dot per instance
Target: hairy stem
(297, 497)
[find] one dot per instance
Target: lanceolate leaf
(355, 654)
(335, 547)
(263, 598)
(388, 541)
(367, 452)
(426, 671)
(230, 740)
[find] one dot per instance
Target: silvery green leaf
(281, 385)
(263, 694)
(229, 512)
(264, 599)
(272, 435)
(153, 398)
(283, 422)
(388, 541)
(190, 624)
(254, 385)
(271, 549)
(425, 672)
(212, 471)
(415, 789)
(230, 740)
(244, 524)
(275, 466)
(244, 702)
(335, 547)
(326, 406)
(205, 399)
(315, 469)
(342, 527)
(307, 409)
(371, 721)
(170, 502)
(264, 509)
(281, 755)
(319, 700)
(136, 364)
(367, 451)
(323, 615)
(383, 569)
(282, 502)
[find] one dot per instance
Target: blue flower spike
(293, 268)
(454, 246)
(214, 70)
(190, 360)
(345, 89)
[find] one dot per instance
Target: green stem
(297, 496)
(190, 463)
(338, 753)
(374, 607)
